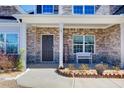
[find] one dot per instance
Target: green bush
(117, 68)
(19, 63)
(84, 67)
(71, 67)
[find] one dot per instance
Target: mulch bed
(10, 74)
(90, 73)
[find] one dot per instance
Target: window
(9, 43)
(48, 9)
(83, 44)
(89, 9)
(78, 9)
(2, 43)
(89, 44)
(78, 44)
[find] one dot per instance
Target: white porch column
(23, 40)
(60, 45)
(122, 44)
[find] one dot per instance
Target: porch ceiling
(70, 19)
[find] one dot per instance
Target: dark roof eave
(8, 17)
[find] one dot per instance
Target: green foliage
(71, 67)
(19, 63)
(84, 67)
(117, 68)
(106, 66)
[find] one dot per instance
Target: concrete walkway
(47, 78)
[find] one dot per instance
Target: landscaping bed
(90, 73)
(10, 74)
(84, 72)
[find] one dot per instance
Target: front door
(47, 47)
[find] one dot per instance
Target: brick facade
(34, 35)
(107, 43)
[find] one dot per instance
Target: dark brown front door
(47, 47)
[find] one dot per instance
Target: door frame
(41, 47)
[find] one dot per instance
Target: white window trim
(83, 43)
(5, 34)
(83, 10)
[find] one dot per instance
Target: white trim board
(69, 19)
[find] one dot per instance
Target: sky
(27, 8)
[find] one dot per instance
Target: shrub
(84, 67)
(71, 67)
(6, 62)
(106, 66)
(100, 68)
(19, 63)
(117, 68)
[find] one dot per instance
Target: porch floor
(56, 65)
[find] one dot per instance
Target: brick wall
(34, 43)
(107, 43)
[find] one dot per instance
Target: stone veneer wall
(103, 10)
(113, 44)
(107, 43)
(34, 43)
(66, 9)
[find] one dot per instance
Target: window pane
(56, 9)
(89, 9)
(78, 48)
(78, 39)
(11, 48)
(78, 9)
(47, 8)
(1, 38)
(2, 48)
(89, 48)
(89, 39)
(12, 38)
